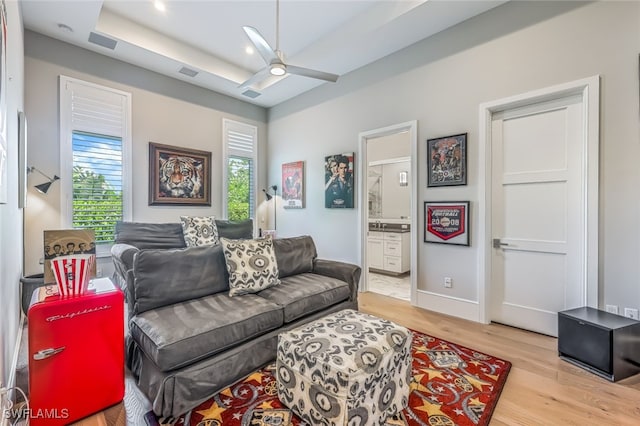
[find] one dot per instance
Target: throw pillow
(251, 265)
(199, 230)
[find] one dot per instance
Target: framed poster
(338, 181)
(179, 176)
(446, 222)
(293, 185)
(67, 242)
(447, 161)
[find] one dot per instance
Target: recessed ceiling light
(159, 4)
(249, 50)
(65, 28)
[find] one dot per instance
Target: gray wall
(515, 48)
(164, 111)
(10, 213)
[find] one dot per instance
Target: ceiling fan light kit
(278, 69)
(273, 58)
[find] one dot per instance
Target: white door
(538, 210)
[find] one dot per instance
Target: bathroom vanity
(388, 247)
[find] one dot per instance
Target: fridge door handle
(46, 353)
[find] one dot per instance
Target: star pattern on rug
(214, 412)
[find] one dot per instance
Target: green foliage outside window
(96, 205)
(239, 187)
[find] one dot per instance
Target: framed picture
(179, 176)
(293, 185)
(446, 222)
(447, 161)
(338, 181)
(67, 242)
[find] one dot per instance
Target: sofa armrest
(122, 256)
(346, 272)
(123, 253)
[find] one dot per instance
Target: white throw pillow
(199, 230)
(251, 265)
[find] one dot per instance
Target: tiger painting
(180, 177)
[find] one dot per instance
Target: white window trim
(66, 152)
(228, 124)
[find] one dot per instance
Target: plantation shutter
(96, 130)
(240, 150)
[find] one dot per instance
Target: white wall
(164, 110)
(10, 214)
(515, 48)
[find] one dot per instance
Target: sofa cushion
(251, 265)
(294, 255)
(235, 230)
(166, 276)
(181, 334)
(302, 294)
(150, 235)
(199, 230)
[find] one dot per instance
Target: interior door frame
(589, 89)
(412, 128)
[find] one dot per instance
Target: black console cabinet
(603, 343)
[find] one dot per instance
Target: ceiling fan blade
(263, 48)
(256, 78)
(306, 72)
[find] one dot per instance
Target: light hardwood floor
(541, 388)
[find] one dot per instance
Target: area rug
(452, 385)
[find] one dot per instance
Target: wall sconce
(403, 178)
(43, 187)
(268, 196)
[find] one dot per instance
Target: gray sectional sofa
(188, 339)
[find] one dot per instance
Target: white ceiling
(336, 36)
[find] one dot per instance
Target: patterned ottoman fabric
(346, 368)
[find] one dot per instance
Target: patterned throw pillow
(199, 230)
(251, 265)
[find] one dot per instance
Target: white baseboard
(454, 306)
(11, 382)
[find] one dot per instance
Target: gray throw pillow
(199, 230)
(251, 265)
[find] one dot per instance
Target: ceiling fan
(275, 58)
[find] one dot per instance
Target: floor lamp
(268, 196)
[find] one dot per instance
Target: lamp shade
(43, 187)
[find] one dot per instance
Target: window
(95, 146)
(240, 146)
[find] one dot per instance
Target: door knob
(498, 244)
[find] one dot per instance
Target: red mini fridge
(76, 354)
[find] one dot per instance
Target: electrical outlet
(612, 309)
(631, 313)
(448, 282)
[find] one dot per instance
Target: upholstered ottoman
(348, 367)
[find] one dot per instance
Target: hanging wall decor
(446, 222)
(338, 181)
(179, 176)
(293, 185)
(447, 161)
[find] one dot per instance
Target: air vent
(188, 71)
(103, 41)
(251, 94)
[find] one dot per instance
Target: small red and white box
(72, 273)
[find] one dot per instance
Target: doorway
(388, 212)
(540, 205)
